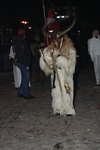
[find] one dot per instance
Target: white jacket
(94, 47)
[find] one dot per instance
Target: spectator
(22, 61)
(16, 70)
(94, 52)
(35, 68)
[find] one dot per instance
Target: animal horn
(65, 31)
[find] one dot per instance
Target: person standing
(35, 69)
(94, 52)
(16, 70)
(22, 61)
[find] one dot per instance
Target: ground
(31, 125)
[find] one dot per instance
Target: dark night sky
(22, 10)
(33, 11)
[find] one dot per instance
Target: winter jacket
(22, 51)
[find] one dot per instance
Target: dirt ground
(31, 125)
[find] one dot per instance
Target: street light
(24, 23)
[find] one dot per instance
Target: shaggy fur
(60, 55)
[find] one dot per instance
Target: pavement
(31, 125)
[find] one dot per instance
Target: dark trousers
(25, 74)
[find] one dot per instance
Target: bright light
(30, 28)
(63, 17)
(24, 22)
(50, 31)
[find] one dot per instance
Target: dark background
(10, 10)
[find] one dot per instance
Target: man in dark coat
(22, 61)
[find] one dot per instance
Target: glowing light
(24, 22)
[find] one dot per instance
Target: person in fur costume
(59, 60)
